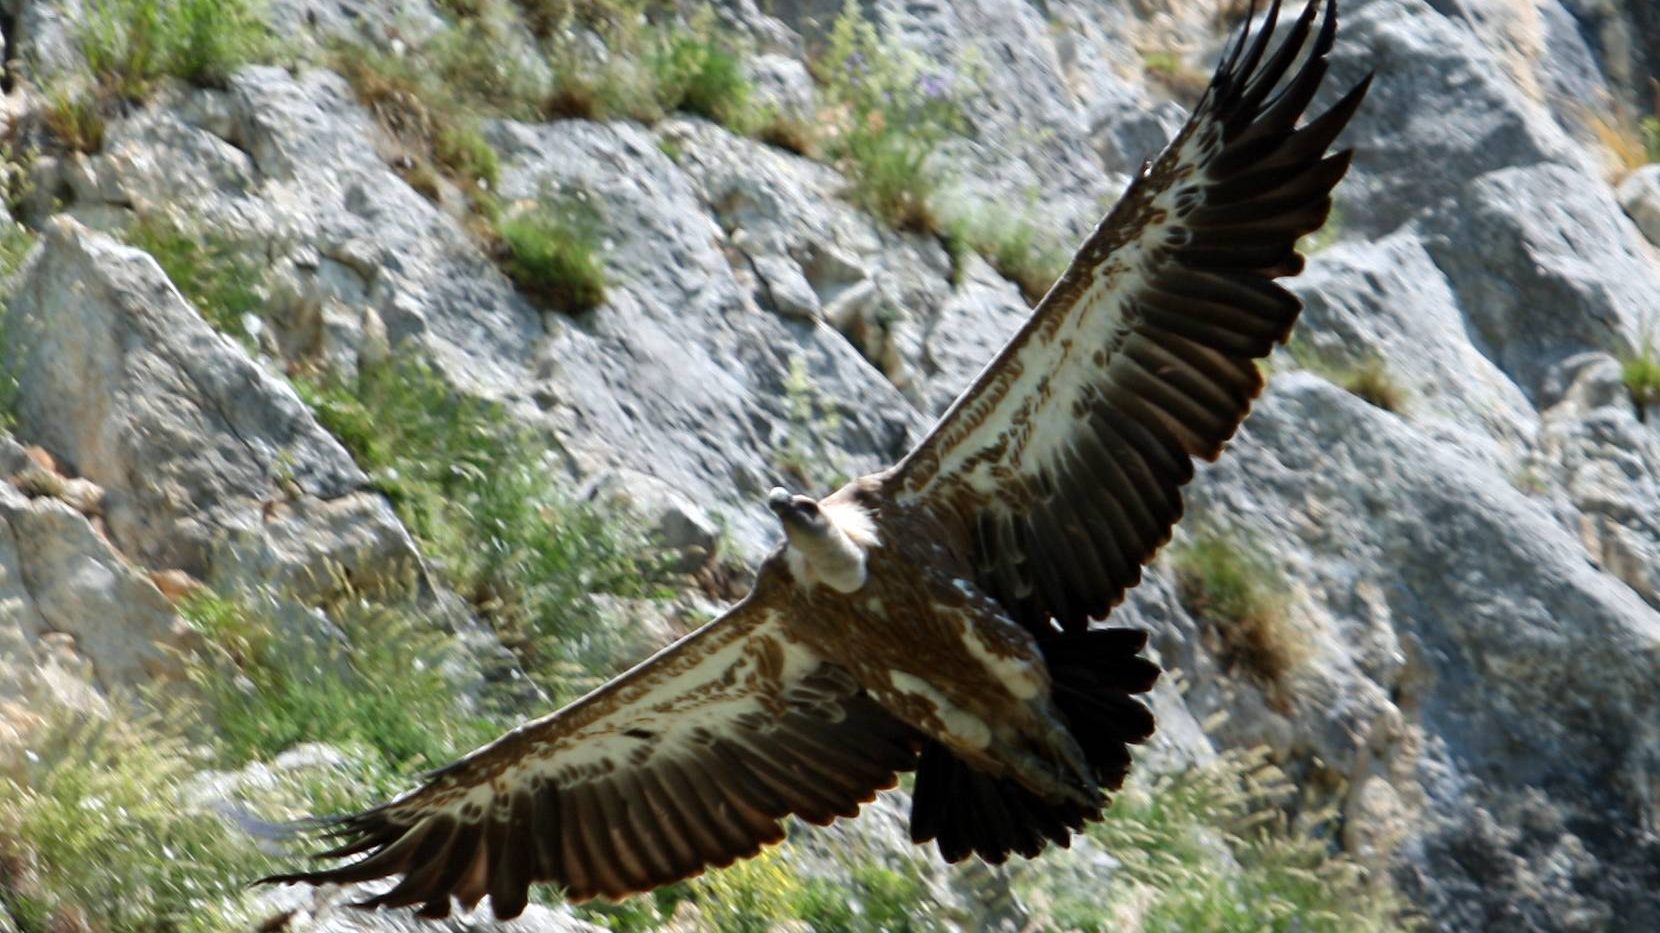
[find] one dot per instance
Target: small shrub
(696, 73)
(807, 456)
(217, 276)
(474, 492)
(432, 98)
(891, 114)
(15, 242)
(1369, 379)
(95, 826)
(751, 896)
(212, 38)
(550, 248)
(465, 152)
(1640, 371)
(1233, 586)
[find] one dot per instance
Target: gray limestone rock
(1639, 194)
(1444, 110)
(1517, 678)
(74, 614)
(1386, 301)
(201, 451)
(1521, 247)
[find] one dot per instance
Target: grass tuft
(1640, 371)
(376, 683)
(697, 71)
(1174, 74)
(1234, 586)
(130, 44)
(1371, 381)
(75, 119)
(1213, 848)
(1019, 248)
(1369, 378)
(550, 248)
(15, 242)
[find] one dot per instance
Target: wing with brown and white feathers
(689, 760)
(1064, 461)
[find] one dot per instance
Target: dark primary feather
(818, 748)
(1069, 526)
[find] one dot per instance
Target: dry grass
(1235, 588)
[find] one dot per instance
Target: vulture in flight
(935, 616)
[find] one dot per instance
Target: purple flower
(933, 86)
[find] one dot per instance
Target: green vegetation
(1369, 377)
(891, 113)
(550, 248)
(375, 683)
(131, 45)
(431, 101)
(1640, 371)
(1233, 585)
(1016, 245)
(696, 72)
(95, 826)
(474, 492)
(1650, 129)
(1213, 849)
(15, 241)
(759, 894)
(1172, 71)
(74, 119)
(218, 276)
(1371, 381)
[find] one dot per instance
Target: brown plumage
(935, 616)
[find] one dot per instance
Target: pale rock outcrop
(1604, 454)
(1386, 300)
(203, 454)
(77, 620)
(1472, 657)
(1639, 194)
(1522, 246)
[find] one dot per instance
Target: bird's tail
(1095, 675)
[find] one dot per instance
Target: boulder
(201, 452)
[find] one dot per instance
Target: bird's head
(800, 515)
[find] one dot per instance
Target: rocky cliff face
(1454, 473)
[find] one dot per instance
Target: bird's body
(927, 644)
(937, 616)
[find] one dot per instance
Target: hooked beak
(792, 510)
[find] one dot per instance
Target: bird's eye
(809, 506)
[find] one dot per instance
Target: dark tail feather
(1095, 674)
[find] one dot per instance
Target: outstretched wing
(689, 760)
(1064, 461)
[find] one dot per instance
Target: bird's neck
(837, 556)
